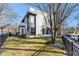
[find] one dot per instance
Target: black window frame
(46, 31)
(28, 27)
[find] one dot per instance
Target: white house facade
(33, 24)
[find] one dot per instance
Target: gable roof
(29, 12)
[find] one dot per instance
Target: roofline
(29, 12)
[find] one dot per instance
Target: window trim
(45, 31)
(34, 22)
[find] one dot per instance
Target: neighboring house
(13, 29)
(33, 24)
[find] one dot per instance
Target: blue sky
(72, 21)
(21, 10)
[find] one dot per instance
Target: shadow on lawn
(28, 42)
(42, 49)
(35, 42)
(37, 52)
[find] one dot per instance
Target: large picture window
(31, 24)
(32, 21)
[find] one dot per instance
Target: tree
(57, 13)
(6, 16)
(63, 28)
(77, 27)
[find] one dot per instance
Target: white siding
(40, 21)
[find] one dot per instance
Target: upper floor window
(32, 21)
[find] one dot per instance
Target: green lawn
(15, 46)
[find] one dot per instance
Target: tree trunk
(53, 37)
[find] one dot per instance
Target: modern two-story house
(33, 24)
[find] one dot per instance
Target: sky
(72, 21)
(21, 10)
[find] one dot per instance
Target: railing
(3, 38)
(71, 46)
(75, 49)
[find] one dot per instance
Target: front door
(22, 31)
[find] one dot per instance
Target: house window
(31, 24)
(32, 31)
(32, 21)
(22, 31)
(46, 31)
(43, 31)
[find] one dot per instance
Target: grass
(16, 46)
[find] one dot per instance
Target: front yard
(15, 46)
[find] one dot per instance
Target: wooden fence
(3, 38)
(71, 46)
